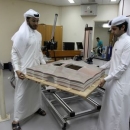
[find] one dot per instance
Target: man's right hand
(20, 74)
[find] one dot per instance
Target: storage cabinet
(42, 29)
(46, 31)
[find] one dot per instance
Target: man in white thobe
(115, 111)
(26, 52)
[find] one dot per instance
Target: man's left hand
(102, 82)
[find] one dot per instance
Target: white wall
(11, 12)
(103, 34)
(126, 9)
(74, 24)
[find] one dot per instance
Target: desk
(63, 53)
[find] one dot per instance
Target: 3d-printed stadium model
(69, 73)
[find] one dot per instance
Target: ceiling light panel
(71, 1)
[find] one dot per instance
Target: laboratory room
(64, 65)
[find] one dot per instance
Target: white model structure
(68, 73)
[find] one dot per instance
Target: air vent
(89, 10)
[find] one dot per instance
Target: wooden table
(63, 53)
(84, 94)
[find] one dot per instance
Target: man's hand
(20, 75)
(102, 82)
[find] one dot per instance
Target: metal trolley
(53, 99)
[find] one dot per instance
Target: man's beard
(32, 27)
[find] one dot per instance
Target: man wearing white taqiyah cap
(115, 111)
(26, 52)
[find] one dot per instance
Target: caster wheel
(64, 128)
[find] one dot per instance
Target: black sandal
(41, 112)
(16, 126)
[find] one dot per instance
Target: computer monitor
(68, 45)
(79, 45)
(50, 45)
(46, 44)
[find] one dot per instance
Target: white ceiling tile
(109, 2)
(77, 2)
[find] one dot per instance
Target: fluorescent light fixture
(113, 0)
(105, 25)
(71, 1)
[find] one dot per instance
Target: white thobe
(27, 98)
(115, 111)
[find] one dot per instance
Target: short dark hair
(28, 18)
(97, 38)
(120, 26)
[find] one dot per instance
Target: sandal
(41, 112)
(16, 126)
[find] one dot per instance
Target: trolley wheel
(64, 128)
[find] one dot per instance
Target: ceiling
(77, 2)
